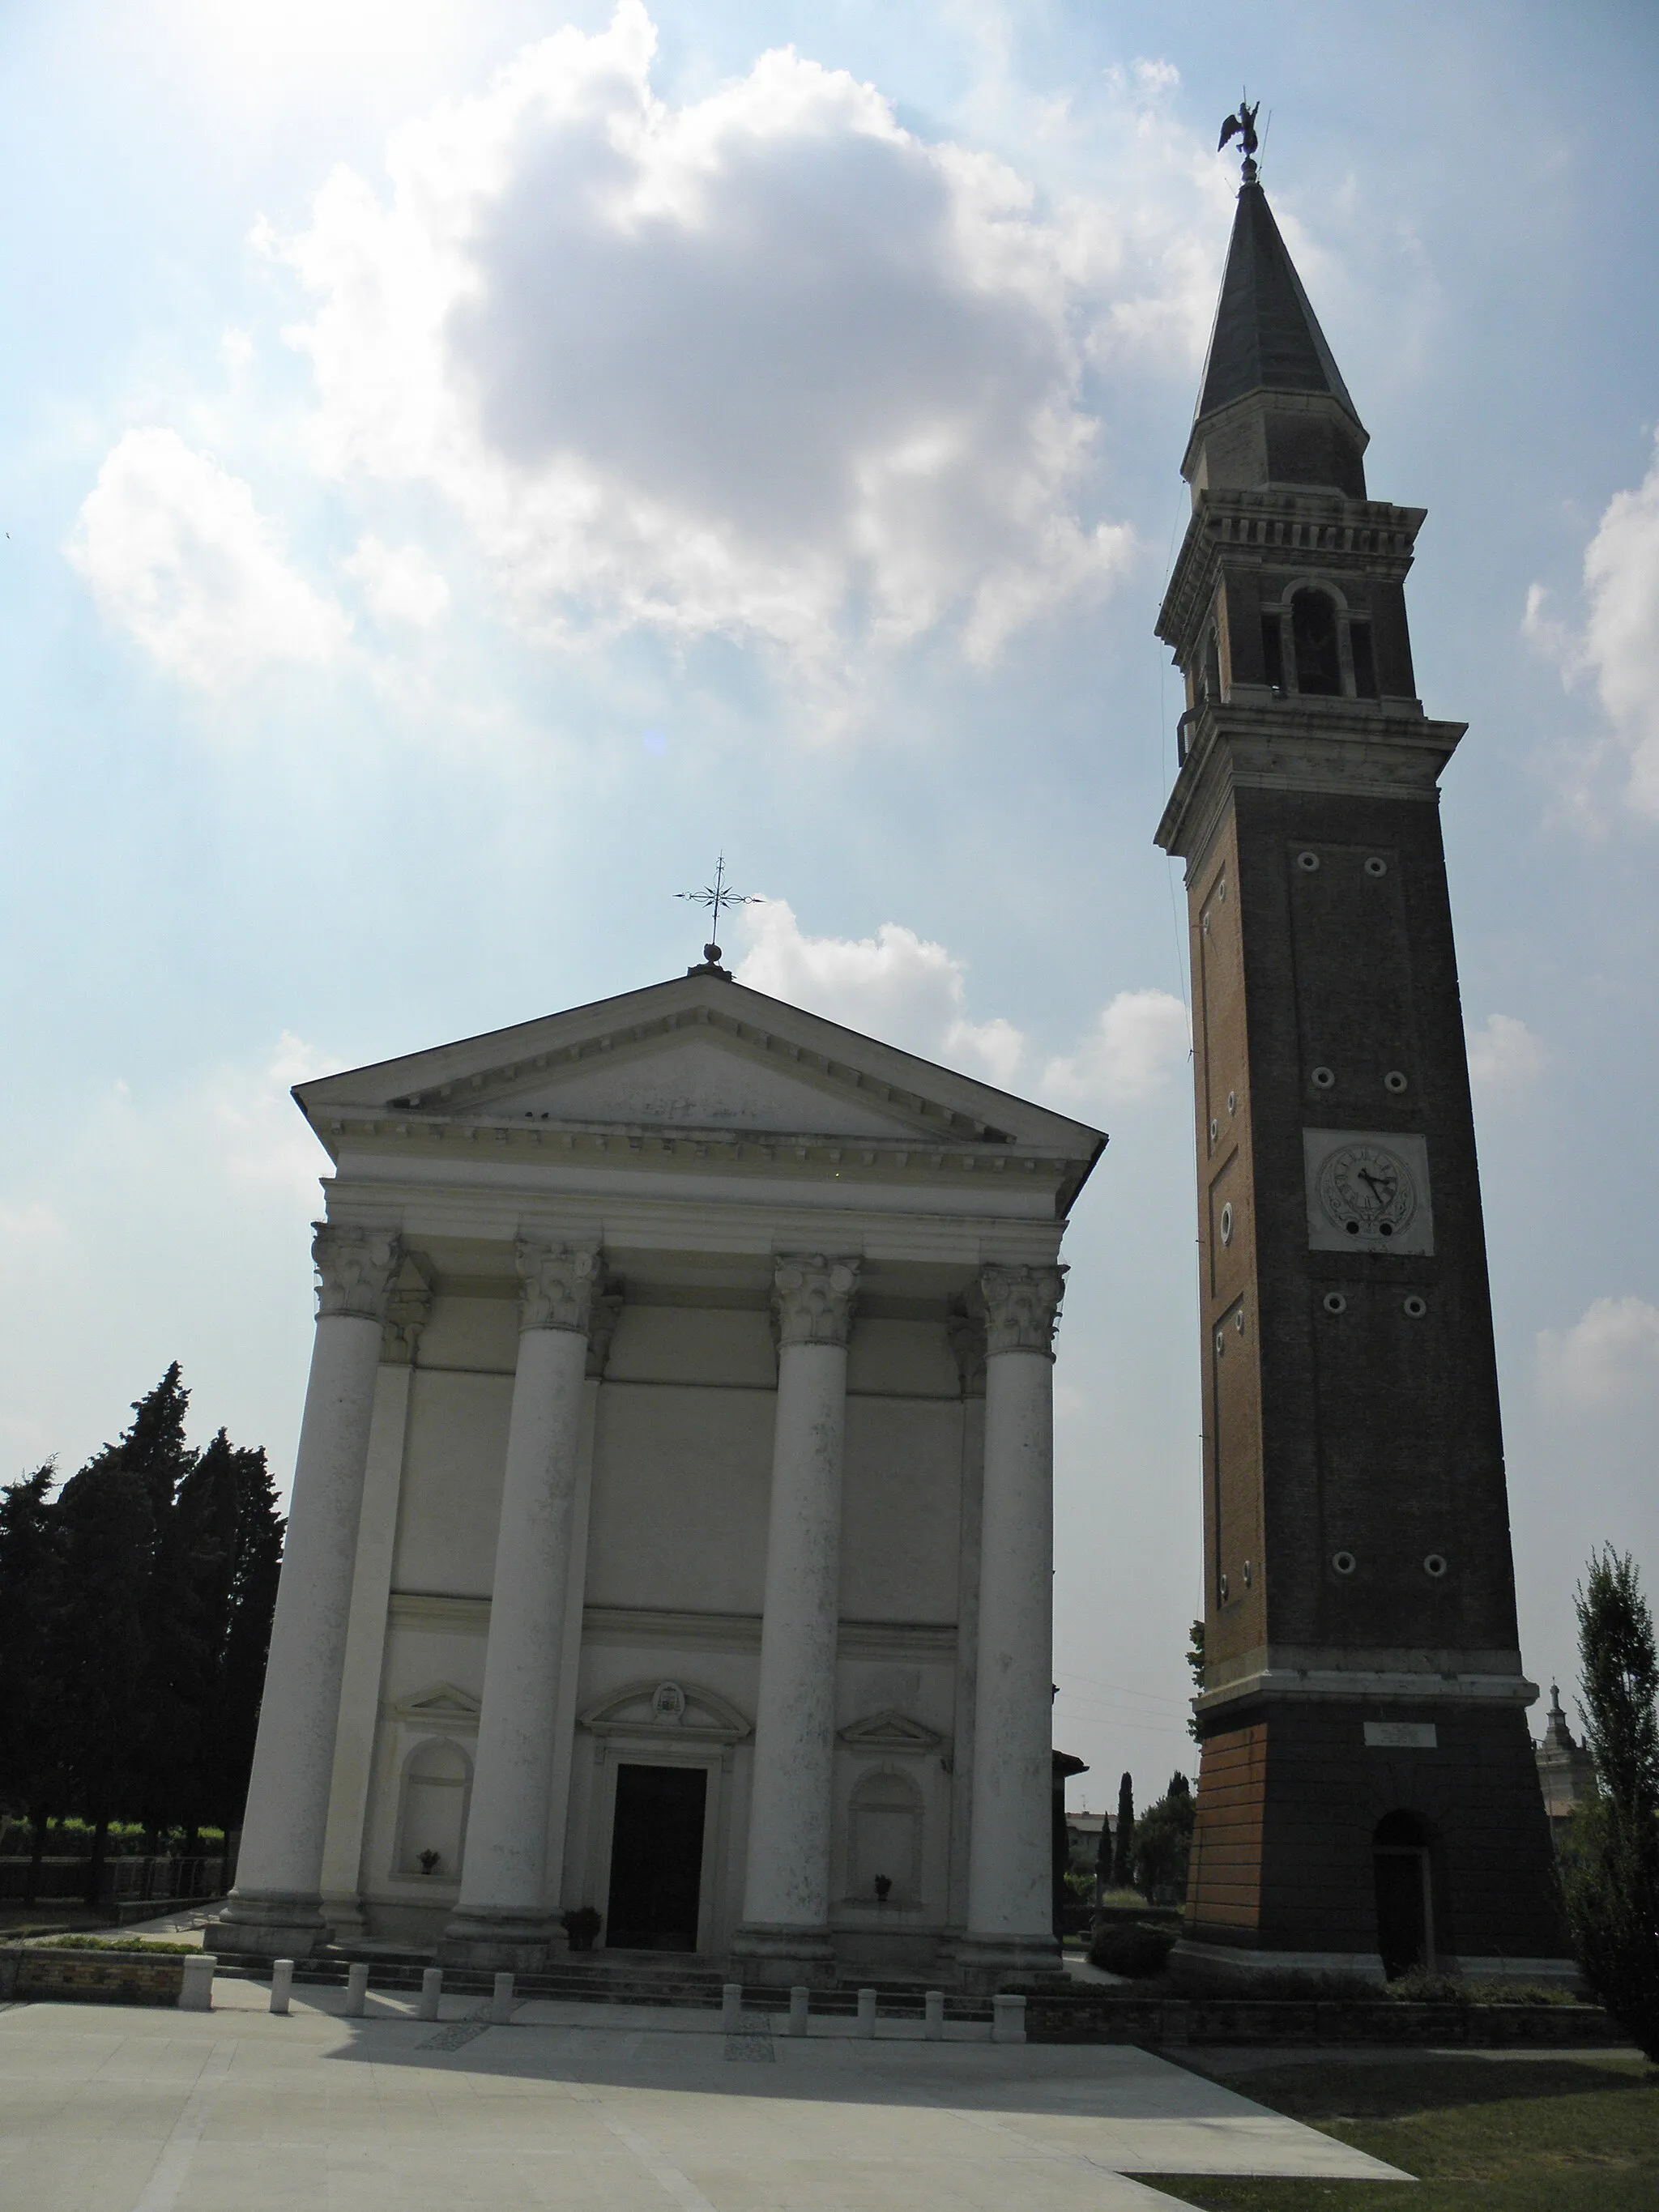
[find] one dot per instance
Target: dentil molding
(1022, 1307)
(813, 1298)
(356, 1267)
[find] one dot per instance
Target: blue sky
(463, 467)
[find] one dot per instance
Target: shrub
(115, 1943)
(1137, 1950)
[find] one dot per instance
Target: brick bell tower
(1367, 1788)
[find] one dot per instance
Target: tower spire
(1273, 407)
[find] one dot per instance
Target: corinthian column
(785, 1899)
(276, 1908)
(504, 1917)
(1010, 1872)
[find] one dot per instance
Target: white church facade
(671, 1531)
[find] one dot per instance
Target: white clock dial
(1368, 1192)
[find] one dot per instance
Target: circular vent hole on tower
(1394, 1081)
(1324, 1078)
(1307, 861)
(1227, 1223)
(1344, 1562)
(1415, 1307)
(1215, 1131)
(1232, 1102)
(1434, 1564)
(1376, 866)
(1335, 1303)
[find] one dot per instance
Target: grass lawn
(1481, 2135)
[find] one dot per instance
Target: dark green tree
(1610, 1866)
(231, 1532)
(1123, 1846)
(1196, 1667)
(32, 1776)
(96, 1643)
(1163, 1842)
(179, 1660)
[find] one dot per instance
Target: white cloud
(1619, 645)
(191, 1203)
(1140, 1041)
(1608, 1358)
(399, 583)
(912, 992)
(897, 986)
(177, 555)
(1504, 1056)
(764, 365)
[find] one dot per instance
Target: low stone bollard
(933, 2027)
(500, 2004)
(801, 2004)
(356, 1988)
(866, 2012)
(731, 2007)
(431, 1988)
(195, 1993)
(1007, 2020)
(281, 1983)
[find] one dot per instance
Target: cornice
(1324, 530)
(836, 1165)
(1346, 747)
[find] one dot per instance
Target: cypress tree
(97, 1643)
(1610, 1869)
(227, 1506)
(178, 1663)
(32, 1775)
(1123, 1849)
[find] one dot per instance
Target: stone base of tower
(1337, 1837)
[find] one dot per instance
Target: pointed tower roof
(1266, 336)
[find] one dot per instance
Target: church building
(672, 1528)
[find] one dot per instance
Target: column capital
(356, 1267)
(813, 1297)
(559, 1283)
(407, 1312)
(1022, 1307)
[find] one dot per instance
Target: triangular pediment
(890, 1732)
(441, 1705)
(700, 1052)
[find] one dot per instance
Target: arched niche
(434, 1800)
(883, 1837)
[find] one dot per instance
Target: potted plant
(581, 1926)
(884, 1887)
(430, 1861)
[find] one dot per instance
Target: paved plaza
(111, 2110)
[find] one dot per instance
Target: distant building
(1565, 1768)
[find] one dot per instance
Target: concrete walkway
(631, 2110)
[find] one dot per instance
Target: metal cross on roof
(717, 897)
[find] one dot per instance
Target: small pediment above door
(676, 1711)
(441, 1706)
(890, 1732)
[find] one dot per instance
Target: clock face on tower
(1368, 1191)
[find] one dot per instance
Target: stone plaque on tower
(1367, 1791)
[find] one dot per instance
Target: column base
(777, 1956)
(345, 1914)
(501, 1940)
(985, 1963)
(271, 1924)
